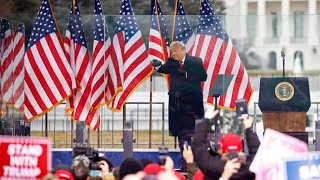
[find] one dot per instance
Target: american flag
(131, 54)
(78, 106)
(106, 73)
(101, 58)
(15, 96)
(181, 29)
(6, 60)
(214, 46)
(12, 66)
(49, 79)
(159, 42)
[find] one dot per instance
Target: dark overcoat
(185, 94)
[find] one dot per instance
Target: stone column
(261, 22)
(285, 22)
(243, 18)
(313, 38)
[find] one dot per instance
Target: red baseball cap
(64, 174)
(231, 142)
(153, 169)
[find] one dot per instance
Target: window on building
(298, 24)
(251, 26)
(272, 60)
(274, 24)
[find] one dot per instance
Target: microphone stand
(219, 88)
(283, 64)
(216, 124)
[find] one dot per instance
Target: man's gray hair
(179, 44)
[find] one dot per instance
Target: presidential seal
(284, 91)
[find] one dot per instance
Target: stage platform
(64, 156)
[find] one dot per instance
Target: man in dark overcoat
(185, 94)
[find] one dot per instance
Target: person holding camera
(230, 151)
(105, 169)
(185, 94)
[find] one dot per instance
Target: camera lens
(95, 166)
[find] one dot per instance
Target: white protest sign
(275, 146)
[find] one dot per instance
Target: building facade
(264, 28)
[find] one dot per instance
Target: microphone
(283, 64)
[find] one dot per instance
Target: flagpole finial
(73, 6)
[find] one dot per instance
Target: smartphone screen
(186, 143)
(233, 155)
(241, 108)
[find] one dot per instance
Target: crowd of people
(229, 162)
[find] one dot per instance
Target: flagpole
(172, 38)
(163, 44)
(73, 91)
(46, 125)
(150, 105)
(164, 60)
(174, 19)
(73, 6)
(100, 133)
(150, 113)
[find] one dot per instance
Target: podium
(284, 103)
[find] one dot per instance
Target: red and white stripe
(113, 77)
(79, 59)
(17, 98)
(7, 66)
(101, 51)
(220, 57)
(93, 119)
(48, 76)
(157, 46)
(99, 67)
(190, 44)
(134, 65)
(158, 49)
(12, 68)
(106, 74)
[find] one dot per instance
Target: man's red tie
(181, 65)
